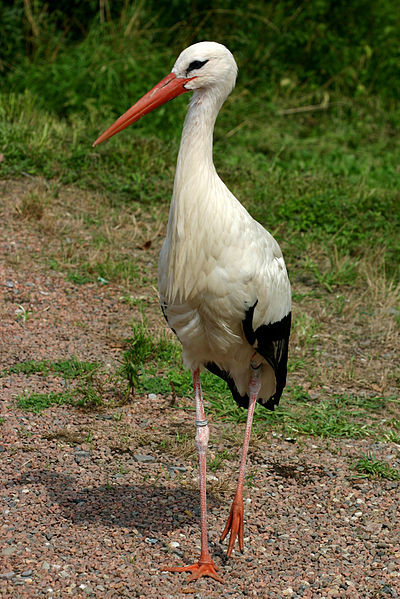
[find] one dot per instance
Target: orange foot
(198, 570)
(235, 525)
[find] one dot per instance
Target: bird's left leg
(235, 520)
(205, 566)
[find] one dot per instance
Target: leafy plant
(368, 466)
(36, 402)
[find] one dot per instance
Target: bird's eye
(196, 64)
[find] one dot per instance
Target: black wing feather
(271, 341)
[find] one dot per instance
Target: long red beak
(170, 87)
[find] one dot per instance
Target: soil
(92, 507)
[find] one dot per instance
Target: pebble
(7, 575)
(175, 469)
(26, 573)
(82, 454)
(152, 396)
(144, 459)
(7, 551)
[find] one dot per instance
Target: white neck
(196, 195)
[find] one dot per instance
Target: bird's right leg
(235, 520)
(205, 566)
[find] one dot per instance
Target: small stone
(144, 459)
(45, 566)
(175, 469)
(26, 573)
(82, 454)
(151, 540)
(288, 592)
(7, 575)
(7, 551)
(9, 284)
(152, 396)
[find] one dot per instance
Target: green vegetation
(368, 466)
(308, 141)
(36, 402)
(84, 393)
(155, 366)
(68, 369)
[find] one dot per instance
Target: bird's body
(217, 261)
(223, 284)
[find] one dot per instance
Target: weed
(69, 369)
(216, 463)
(36, 402)
(368, 466)
(89, 392)
(28, 367)
(23, 313)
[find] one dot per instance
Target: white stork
(224, 289)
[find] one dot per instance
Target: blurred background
(76, 54)
(312, 124)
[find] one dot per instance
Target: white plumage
(223, 283)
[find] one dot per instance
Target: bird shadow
(148, 508)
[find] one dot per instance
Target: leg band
(201, 423)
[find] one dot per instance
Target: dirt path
(91, 506)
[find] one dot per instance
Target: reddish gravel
(83, 515)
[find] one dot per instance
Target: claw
(198, 570)
(235, 525)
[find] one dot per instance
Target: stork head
(206, 65)
(202, 66)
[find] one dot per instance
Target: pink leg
(235, 520)
(205, 566)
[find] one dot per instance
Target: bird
(223, 283)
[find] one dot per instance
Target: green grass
(312, 194)
(68, 369)
(155, 366)
(327, 177)
(36, 402)
(368, 466)
(86, 392)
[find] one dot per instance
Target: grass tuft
(368, 466)
(36, 402)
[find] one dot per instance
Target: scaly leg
(235, 520)
(205, 566)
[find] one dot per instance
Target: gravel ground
(89, 508)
